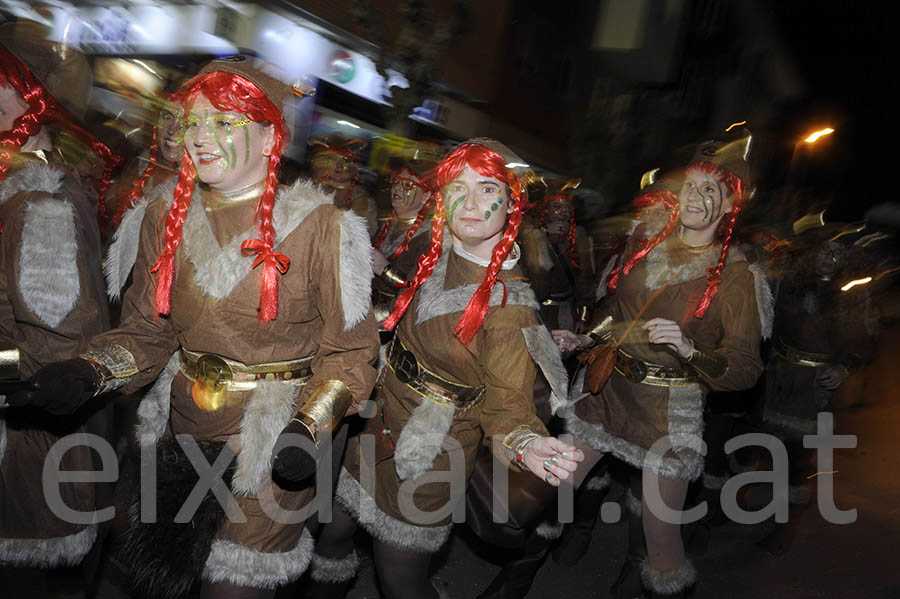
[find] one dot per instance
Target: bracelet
(520, 452)
(309, 424)
(393, 277)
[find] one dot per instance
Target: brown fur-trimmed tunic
(502, 357)
(52, 301)
(626, 418)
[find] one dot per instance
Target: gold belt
(214, 376)
(408, 370)
(647, 373)
(802, 358)
(558, 299)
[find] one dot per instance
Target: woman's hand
(569, 341)
(668, 332)
(551, 459)
(378, 261)
(832, 378)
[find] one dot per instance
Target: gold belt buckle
(210, 389)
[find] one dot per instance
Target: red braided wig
(570, 234)
(488, 163)
(229, 92)
(349, 155)
(43, 108)
(713, 275)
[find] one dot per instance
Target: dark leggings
(224, 590)
(24, 582)
(401, 574)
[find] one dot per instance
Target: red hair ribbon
(265, 254)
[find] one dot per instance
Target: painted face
(227, 148)
(476, 211)
(169, 133)
(12, 106)
(828, 259)
(558, 211)
(407, 197)
(703, 200)
(333, 169)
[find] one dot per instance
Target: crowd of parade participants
(399, 359)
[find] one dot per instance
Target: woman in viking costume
(460, 371)
(335, 166)
(698, 312)
(52, 296)
(404, 235)
(559, 261)
(245, 363)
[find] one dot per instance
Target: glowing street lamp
(814, 137)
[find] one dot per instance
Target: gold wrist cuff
(516, 441)
(9, 363)
(326, 407)
(115, 367)
(393, 277)
(310, 425)
(603, 330)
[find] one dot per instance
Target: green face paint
(455, 205)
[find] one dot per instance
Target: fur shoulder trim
(34, 177)
(435, 301)
(660, 268)
(218, 270)
(355, 269)
(122, 253)
(601, 285)
(48, 260)
(545, 354)
(765, 300)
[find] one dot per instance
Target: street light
(814, 136)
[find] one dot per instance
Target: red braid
(230, 92)
(165, 264)
(44, 108)
(138, 188)
(420, 217)
(670, 200)
(490, 164)
(382, 234)
(426, 263)
(714, 275)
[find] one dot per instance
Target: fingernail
(547, 464)
(565, 454)
(549, 476)
(555, 460)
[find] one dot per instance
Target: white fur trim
(48, 553)
(217, 270)
(48, 260)
(685, 422)
(242, 566)
(545, 354)
(419, 443)
(266, 413)
(334, 569)
(351, 496)
(435, 301)
(510, 262)
(34, 177)
(659, 270)
(632, 504)
(765, 300)
(389, 247)
(668, 582)
(598, 483)
(549, 530)
(122, 253)
(153, 412)
(355, 269)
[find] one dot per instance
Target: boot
(516, 577)
(576, 537)
(628, 583)
(331, 578)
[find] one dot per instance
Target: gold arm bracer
(516, 441)
(393, 277)
(9, 363)
(115, 367)
(325, 407)
(603, 330)
(707, 363)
